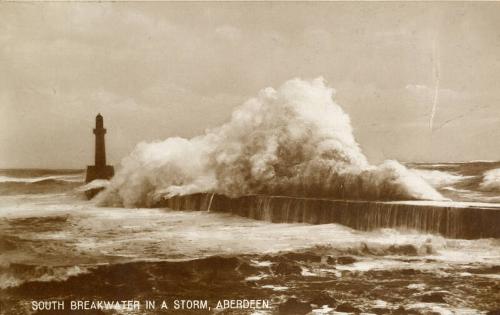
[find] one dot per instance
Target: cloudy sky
(156, 70)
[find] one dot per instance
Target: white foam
(443, 309)
(96, 183)
(257, 277)
(449, 203)
(261, 263)
(491, 180)
(439, 179)
(67, 178)
(9, 281)
(307, 273)
(52, 274)
(275, 287)
(324, 310)
(417, 286)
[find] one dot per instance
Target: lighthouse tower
(100, 170)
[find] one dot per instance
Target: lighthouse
(100, 170)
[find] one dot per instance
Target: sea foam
(491, 181)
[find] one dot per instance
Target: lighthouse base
(99, 172)
(95, 172)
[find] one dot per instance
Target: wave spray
(294, 140)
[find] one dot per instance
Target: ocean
(57, 246)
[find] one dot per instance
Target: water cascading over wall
(449, 221)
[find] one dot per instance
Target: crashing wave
(491, 180)
(439, 179)
(291, 141)
(17, 274)
(95, 184)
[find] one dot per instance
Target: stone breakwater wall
(471, 222)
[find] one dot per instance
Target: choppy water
(463, 181)
(55, 245)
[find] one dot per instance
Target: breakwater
(465, 222)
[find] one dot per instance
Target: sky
(420, 81)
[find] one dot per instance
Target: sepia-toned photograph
(256, 158)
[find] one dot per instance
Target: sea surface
(56, 245)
